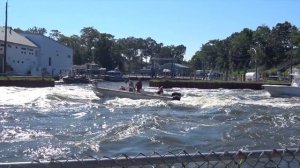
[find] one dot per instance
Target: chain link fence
(241, 159)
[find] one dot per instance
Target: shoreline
(26, 81)
(204, 84)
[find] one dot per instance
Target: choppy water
(68, 120)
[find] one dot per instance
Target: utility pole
(5, 41)
(255, 61)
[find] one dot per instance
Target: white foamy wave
(79, 115)
(88, 145)
(18, 134)
(110, 134)
(75, 92)
(47, 152)
(44, 97)
(125, 102)
(273, 102)
(204, 102)
(21, 96)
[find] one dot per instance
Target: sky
(171, 22)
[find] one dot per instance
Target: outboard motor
(176, 96)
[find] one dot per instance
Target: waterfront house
(34, 54)
(53, 58)
(21, 53)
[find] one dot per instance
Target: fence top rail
(157, 158)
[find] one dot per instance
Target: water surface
(69, 120)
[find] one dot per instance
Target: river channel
(69, 120)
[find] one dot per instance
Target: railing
(242, 159)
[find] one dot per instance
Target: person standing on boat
(131, 86)
(139, 85)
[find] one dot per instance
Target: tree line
(264, 48)
(128, 54)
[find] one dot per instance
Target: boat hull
(104, 92)
(282, 90)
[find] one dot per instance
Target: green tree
(295, 39)
(55, 34)
(131, 48)
(178, 53)
(89, 37)
(37, 30)
(103, 55)
(18, 30)
(197, 60)
(239, 46)
(74, 42)
(280, 42)
(261, 38)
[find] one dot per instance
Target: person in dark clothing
(139, 85)
(160, 90)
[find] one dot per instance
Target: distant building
(34, 54)
(251, 76)
(53, 58)
(178, 69)
(21, 53)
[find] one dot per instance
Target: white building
(34, 54)
(53, 58)
(21, 52)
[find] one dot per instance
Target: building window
(50, 61)
(69, 56)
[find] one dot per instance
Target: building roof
(13, 37)
(37, 37)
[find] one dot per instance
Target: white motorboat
(105, 92)
(284, 90)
